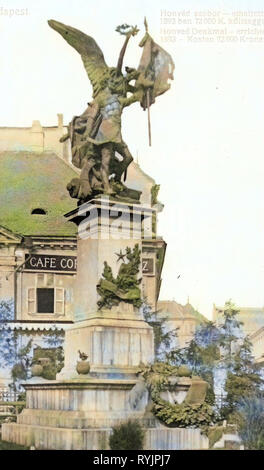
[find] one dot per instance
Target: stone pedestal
(115, 343)
(116, 340)
(105, 229)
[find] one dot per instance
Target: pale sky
(207, 131)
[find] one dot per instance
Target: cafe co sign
(51, 263)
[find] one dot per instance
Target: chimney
(60, 120)
(36, 127)
(36, 137)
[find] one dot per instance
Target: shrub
(11, 446)
(21, 396)
(127, 436)
(19, 372)
(49, 372)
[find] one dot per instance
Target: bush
(127, 436)
(10, 446)
(19, 372)
(21, 396)
(49, 372)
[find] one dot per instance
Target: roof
(257, 333)
(35, 180)
(175, 311)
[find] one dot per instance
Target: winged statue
(98, 148)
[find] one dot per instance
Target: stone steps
(50, 438)
(79, 419)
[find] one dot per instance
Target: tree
(207, 334)
(200, 355)
(13, 353)
(231, 332)
(223, 346)
(16, 354)
(54, 338)
(8, 338)
(163, 337)
(250, 421)
(243, 378)
(20, 368)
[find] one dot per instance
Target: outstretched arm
(128, 31)
(131, 99)
(137, 91)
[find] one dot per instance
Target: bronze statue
(96, 135)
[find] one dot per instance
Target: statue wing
(94, 64)
(90, 52)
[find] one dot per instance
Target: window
(45, 300)
(49, 280)
(39, 211)
(41, 280)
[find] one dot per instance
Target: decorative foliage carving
(194, 411)
(125, 286)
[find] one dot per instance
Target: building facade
(183, 318)
(257, 340)
(251, 318)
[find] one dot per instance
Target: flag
(156, 68)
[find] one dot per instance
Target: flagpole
(149, 125)
(148, 100)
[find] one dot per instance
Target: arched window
(39, 211)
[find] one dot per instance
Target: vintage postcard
(131, 227)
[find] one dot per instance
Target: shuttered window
(46, 300)
(59, 301)
(31, 300)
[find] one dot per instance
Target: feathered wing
(94, 64)
(90, 52)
